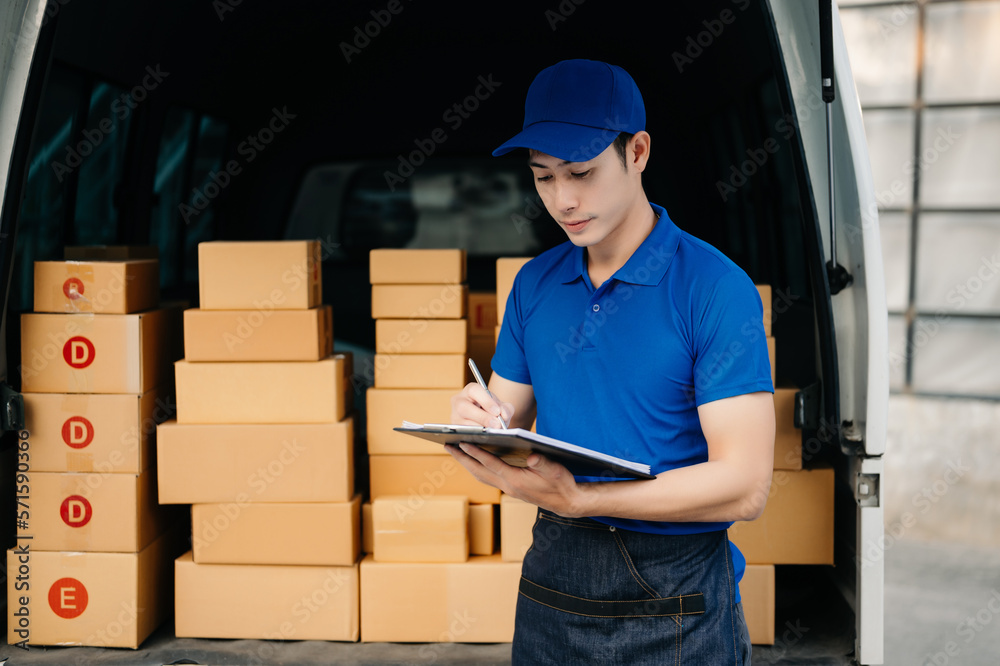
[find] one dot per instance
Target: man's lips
(575, 224)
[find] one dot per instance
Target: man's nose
(567, 197)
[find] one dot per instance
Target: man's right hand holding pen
(476, 405)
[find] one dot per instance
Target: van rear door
(859, 314)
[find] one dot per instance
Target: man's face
(589, 200)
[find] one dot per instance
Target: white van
(368, 124)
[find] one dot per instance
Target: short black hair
(621, 147)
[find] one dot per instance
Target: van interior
(370, 124)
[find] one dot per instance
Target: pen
(479, 378)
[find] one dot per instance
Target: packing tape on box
(84, 273)
(72, 559)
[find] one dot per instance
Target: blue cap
(576, 108)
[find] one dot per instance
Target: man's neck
(604, 259)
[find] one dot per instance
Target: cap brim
(573, 143)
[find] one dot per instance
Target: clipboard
(513, 447)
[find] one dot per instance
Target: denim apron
(591, 593)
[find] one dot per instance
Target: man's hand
(475, 406)
(543, 482)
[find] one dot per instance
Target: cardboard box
(401, 266)
(797, 524)
(482, 310)
(106, 287)
(772, 358)
(84, 353)
(416, 529)
(110, 252)
(757, 596)
(259, 463)
(425, 477)
(367, 538)
(517, 518)
(96, 599)
(260, 275)
(482, 529)
(481, 350)
(388, 408)
(431, 371)
(765, 298)
(419, 301)
(255, 335)
(468, 602)
(107, 433)
(787, 438)
(258, 601)
(507, 268)
(420, 336)
(264, 392)
(320, 533)
(93, 512)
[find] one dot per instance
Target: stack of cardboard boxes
(797, 524)
(94, 547)
(432, 573)
(262, 448)
(516, 516)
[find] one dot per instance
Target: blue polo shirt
(623, 368)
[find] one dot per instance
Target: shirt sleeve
(509, 360)
(730, 347)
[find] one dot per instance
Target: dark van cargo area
(369, 125)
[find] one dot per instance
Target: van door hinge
(807, 407)
(866, 489)
(11, 408)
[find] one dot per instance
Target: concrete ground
(942, 604)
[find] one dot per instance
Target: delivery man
(638, 340)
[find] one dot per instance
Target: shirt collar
(647, 265)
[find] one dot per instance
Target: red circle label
(77, 432)
(76, 511)
(73, 288)
(78, 352)
(68, 598)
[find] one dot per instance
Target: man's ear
(638, 150)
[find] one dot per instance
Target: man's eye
(582, 174)
(544, 179)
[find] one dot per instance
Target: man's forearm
(714, 491)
